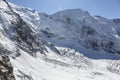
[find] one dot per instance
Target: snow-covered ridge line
(18, 30)
(96, 33)
(92, 32)
(58, 46)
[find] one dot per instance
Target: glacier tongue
(68, 45)
(27, 67)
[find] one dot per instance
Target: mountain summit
(68, 45)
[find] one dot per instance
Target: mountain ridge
(52, 47)
(67, 20)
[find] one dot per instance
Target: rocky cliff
(6, 69)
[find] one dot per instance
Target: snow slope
(62, 46)
(91, 32)
(28, 68)
(75, 28)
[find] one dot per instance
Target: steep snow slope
(30, 16)
(76, 28)
(18, 31)
(37, 59)
(6, 45)
(93, 32)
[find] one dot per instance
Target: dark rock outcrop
(20, 32)
(6, 69)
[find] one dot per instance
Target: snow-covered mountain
(68, 45)
(75, 28)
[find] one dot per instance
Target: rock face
(6, 69)
(39, 45)
(77, 27)
(74, 28)
(18, 31)
(117, 21)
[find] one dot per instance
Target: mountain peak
(63, 44)
(72, 12)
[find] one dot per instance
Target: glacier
(67, 45)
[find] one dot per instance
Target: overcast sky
(105, 8)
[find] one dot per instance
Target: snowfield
(28, 68)
(68, 45)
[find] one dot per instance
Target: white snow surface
(66, 29)
(63, 29)
(40, 69)
(74, 62)
(5, 42)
